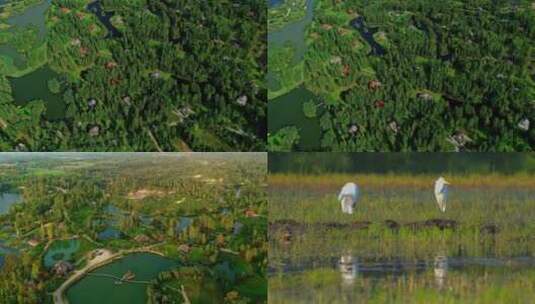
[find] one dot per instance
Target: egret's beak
(446, 182)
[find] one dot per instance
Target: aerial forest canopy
(204, 215)
(413, 75)
(132, 75)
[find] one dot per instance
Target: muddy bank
(286, 229)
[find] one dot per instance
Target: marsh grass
(299, 268)
(511, 210)
(382, 243)
(472, 201)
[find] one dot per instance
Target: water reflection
(348, 269)
(440, 269)
(237, 191)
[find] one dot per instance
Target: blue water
(184, 223)
(272, 3)
(4, 250)
(7, 200)
(61, 251)
(109, 233)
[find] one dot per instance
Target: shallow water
(271, 3)
(61, 251)
(97, 289)
(183, 223)
(341, 265)
(294, 34)
(34, 86)
(367, 34)
(288, 111)
(4, 250)
(352, 279)
(109, 233)
(18, 59)
(104, 18)
(35, 15)
(354, 266)
(7, 199)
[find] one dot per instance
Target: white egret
(348, 197)
(441, 192)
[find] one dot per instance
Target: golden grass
(521, 180)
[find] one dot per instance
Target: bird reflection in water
(348, 269)
(440, 270)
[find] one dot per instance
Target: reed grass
(476, 201)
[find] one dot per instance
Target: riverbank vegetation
(180, 80)
(204, 212)
(286, 12)
(402, 75)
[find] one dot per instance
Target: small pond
(4, 250)
(34, 15)
(98, 288)
(183, 223)
(287, 110)
(63, 250)
(271, 3)
(34, 86)
(105, 18)
(109, 233)
(7, 199)
(367, 34)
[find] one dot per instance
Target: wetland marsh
(398, 246)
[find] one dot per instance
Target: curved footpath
(102, 259)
